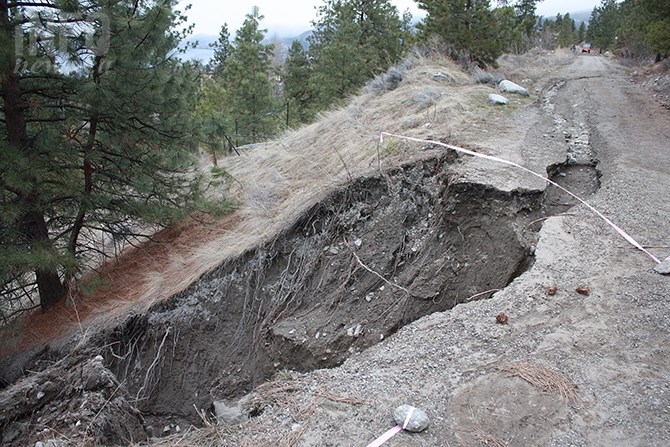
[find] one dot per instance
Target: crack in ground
(373, 257)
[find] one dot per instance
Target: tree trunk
(49, 284)
(32, 223)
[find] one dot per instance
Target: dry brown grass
(543, 378)
(534, 64)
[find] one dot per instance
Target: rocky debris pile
(77, 401)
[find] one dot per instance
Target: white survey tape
(616, 228)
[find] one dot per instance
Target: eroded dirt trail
(596, 364)
(348, 281)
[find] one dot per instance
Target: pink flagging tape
(385, 437)
(394, 431)
(616, 228)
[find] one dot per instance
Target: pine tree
(657, 27)
(107, 148)
(248, 82)
(352, 41)
(526, 17)
(567, 35)
(604, 24)
(297, 90)
(581, 33)
(222, 49)
(468, 27)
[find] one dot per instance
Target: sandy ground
(568, 369)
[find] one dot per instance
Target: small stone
(166, 429)
(296, 427)
(333, 250)
(664, 267)
(229, 413)
(177, 429)
(583, 290)
(355, 331)
(502, 318)
(358, 243)
(418, 422)
(439, 76)
(498, 99)
(40, 395)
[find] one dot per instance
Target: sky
(289, 18)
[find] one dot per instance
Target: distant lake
(203, 55)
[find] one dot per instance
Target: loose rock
(511, 87)
(439, 76)
(664, 267)
(418, 422)
(229, 413)
(498, 99)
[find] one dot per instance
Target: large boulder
(511, 87)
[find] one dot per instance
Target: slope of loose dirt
(413, 237)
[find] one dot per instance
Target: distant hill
(581, 16)
(204, 53)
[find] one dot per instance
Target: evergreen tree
(106, 148)
(352, 41)
(297, 90)
(222, 49)
(407, 34)
(469, 27)
(248, 82)
(581, 33)
(213, 116)
(509, 30)
(526, 17)
(567, 35)
(656, 23)
(604, 24)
